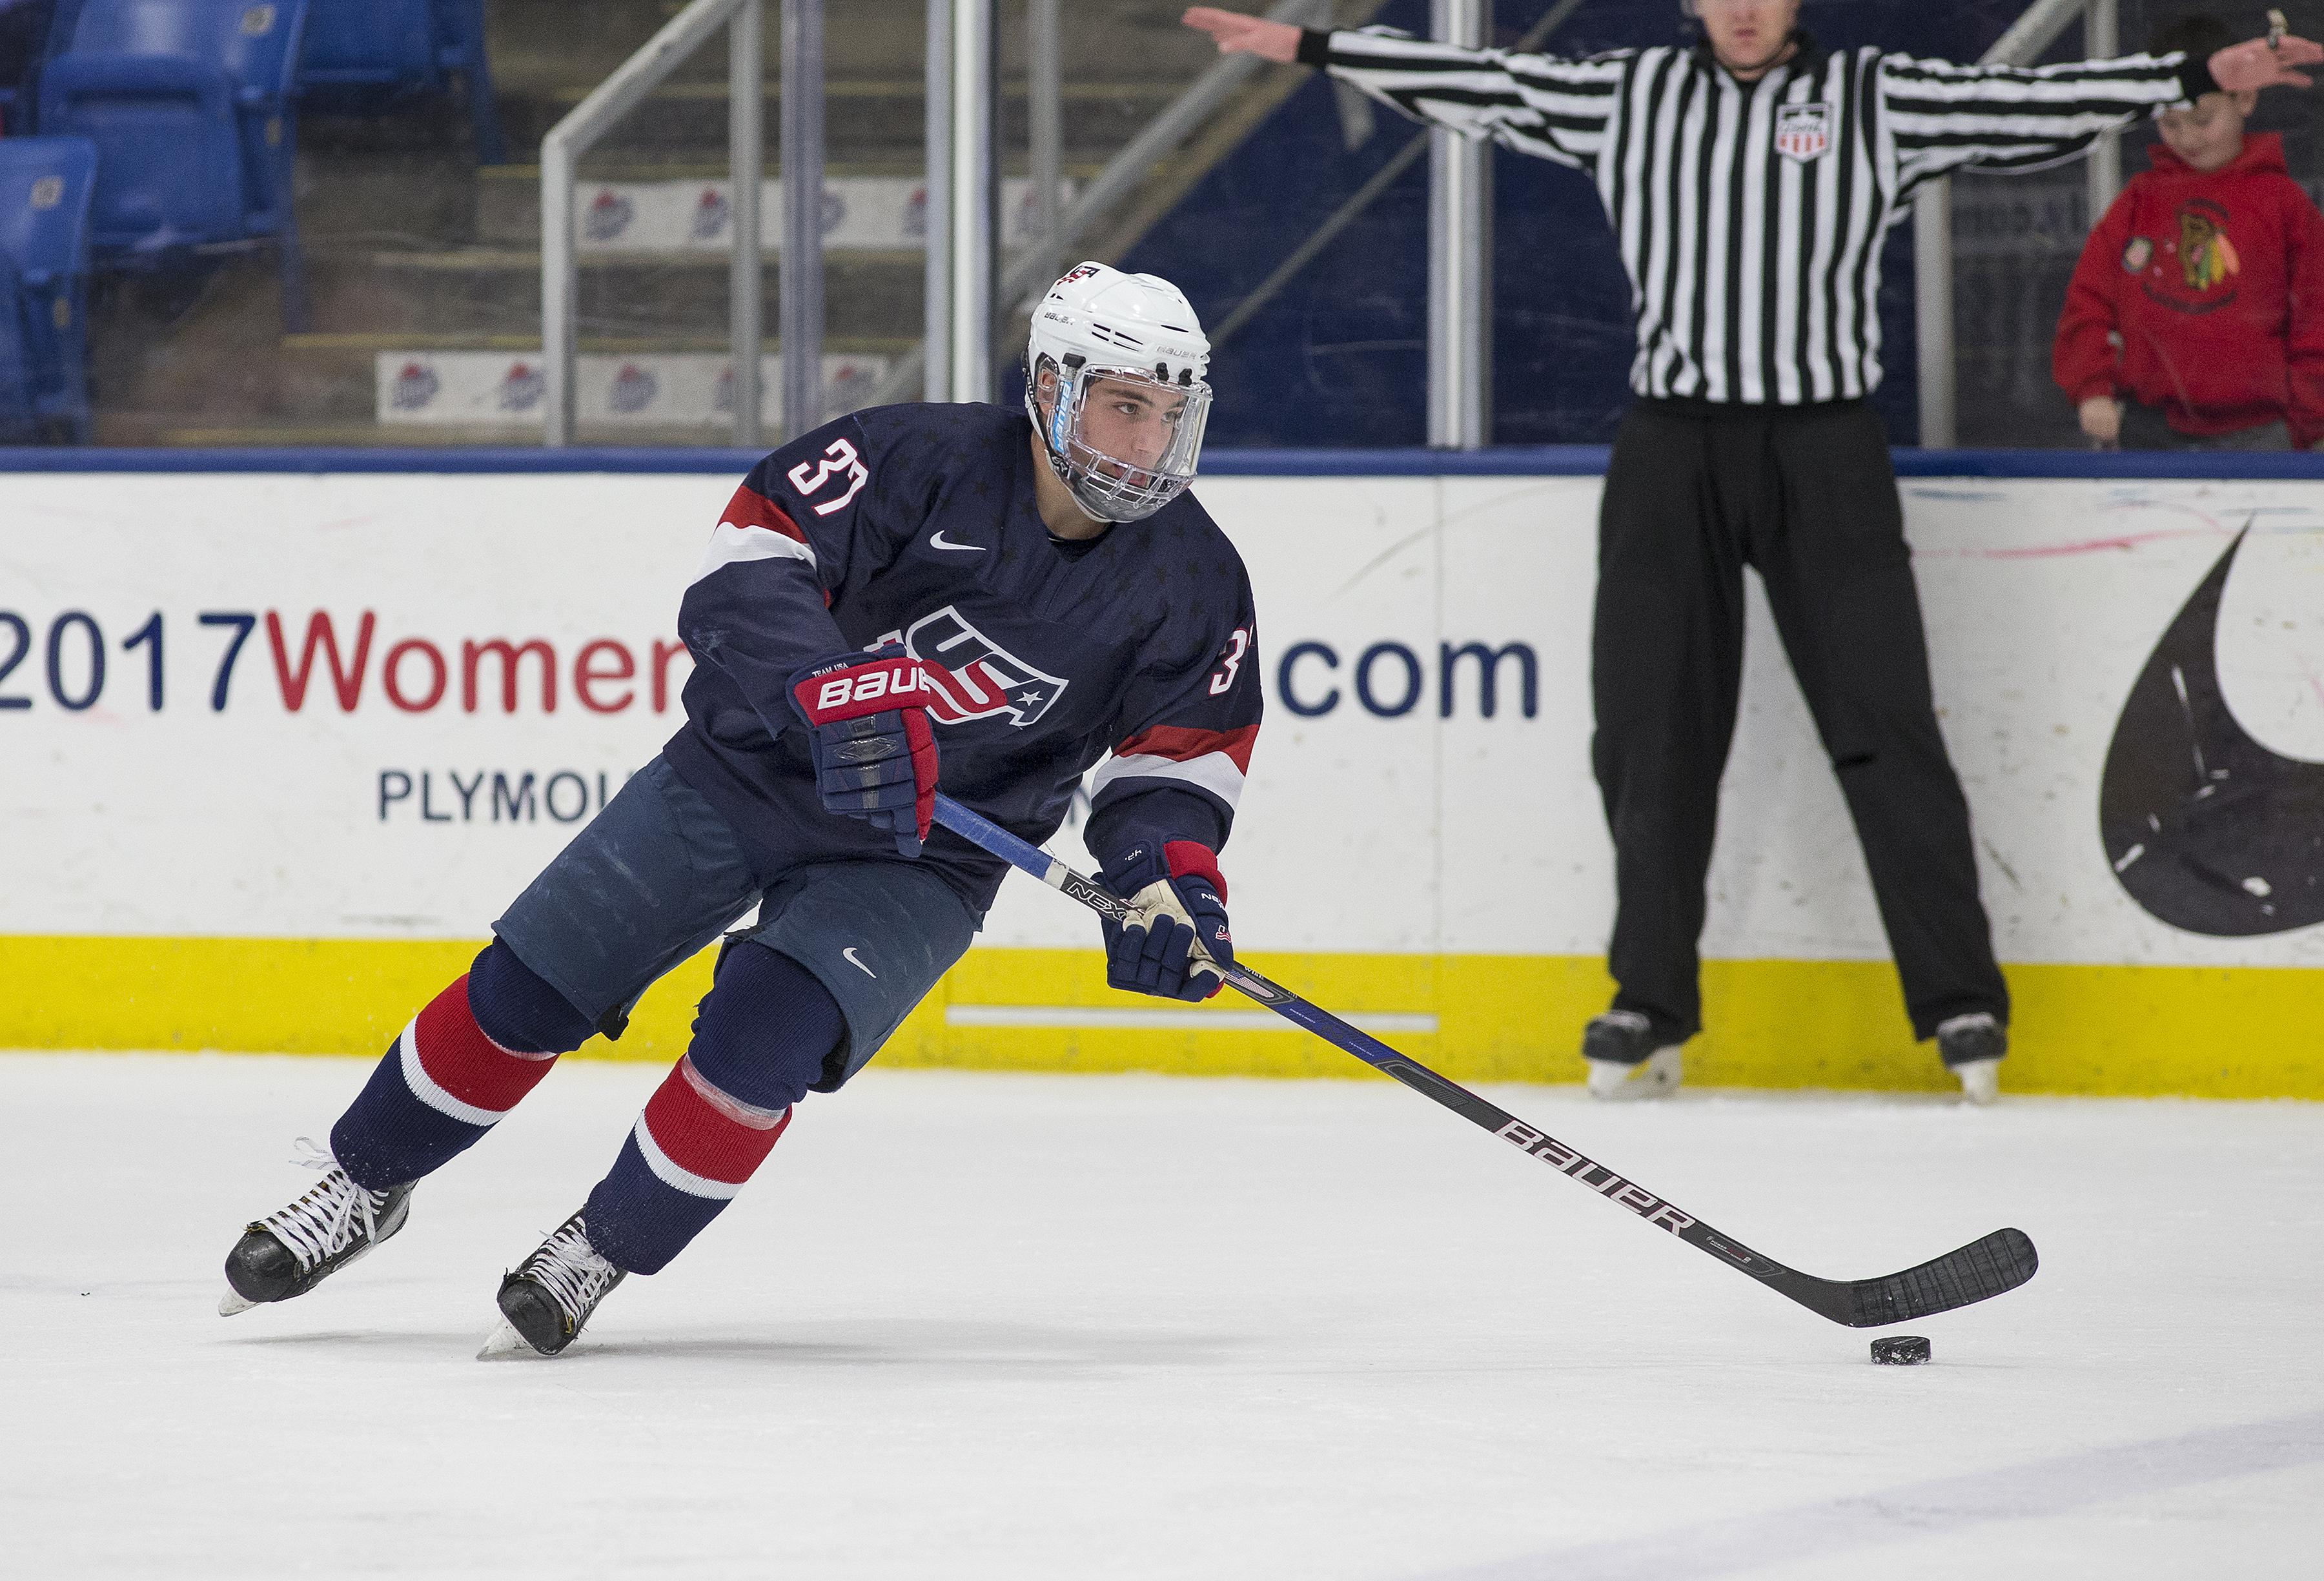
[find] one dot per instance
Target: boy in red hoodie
(2200, 297)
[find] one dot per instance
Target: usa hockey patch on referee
(1803, 131)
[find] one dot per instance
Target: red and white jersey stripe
(1213, 761)
(754, 528)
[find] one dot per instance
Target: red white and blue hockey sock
(689, 1155)
(761, 1040)
(462, 1063)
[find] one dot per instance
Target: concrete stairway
(424, 270)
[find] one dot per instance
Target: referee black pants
(1694, 493)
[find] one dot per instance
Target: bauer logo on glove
(864, 684)
(875, 753)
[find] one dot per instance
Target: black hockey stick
(1983, 1269)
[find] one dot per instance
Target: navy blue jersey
(918, 524)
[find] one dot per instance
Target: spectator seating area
(181, 117)
(190, 103)
(365, 53)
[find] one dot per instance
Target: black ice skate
(1971, 1047)
(551, 1294)
(290, 1252)
(1628, 1058)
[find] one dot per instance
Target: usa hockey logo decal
(712, 214)
(522, 387)
(607, 219)
(1803, 131)
(415, 388)
(979, 677)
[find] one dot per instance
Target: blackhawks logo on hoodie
(2206, 257)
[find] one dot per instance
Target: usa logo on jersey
(978, 678)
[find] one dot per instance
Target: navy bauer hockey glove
(875, 757)
(1181, 891)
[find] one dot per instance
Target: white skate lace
(322, 1224)
(570, 1269)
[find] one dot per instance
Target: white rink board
(1364, 828)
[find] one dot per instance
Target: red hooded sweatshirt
(2214, 285)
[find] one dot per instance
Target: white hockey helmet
(1123, 357)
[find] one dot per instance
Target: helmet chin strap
(1058, 468)
(1041, 422)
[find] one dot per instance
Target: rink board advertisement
(279, 747)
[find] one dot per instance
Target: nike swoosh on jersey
(936, 541)
(849, 956)
(2206, 829)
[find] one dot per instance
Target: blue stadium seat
(46, 184)
(361, 53)
(190, 103)
(24, 35)
(18, 425)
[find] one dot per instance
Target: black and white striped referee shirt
(1749, 214)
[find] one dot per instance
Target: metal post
(1023, 277)
(560, 288)
(935, 333)
(1933, 310)
(2102, 32)
(561, 148)
(802, 263)
(1460, 205)
(975, 197)
(1933, 233)
(1045, 93)
(746, 159)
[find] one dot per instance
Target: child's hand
(2101, 418)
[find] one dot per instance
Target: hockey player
(908, 598)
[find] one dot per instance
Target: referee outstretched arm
(1749, 203)
(1918, 118)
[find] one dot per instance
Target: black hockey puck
(1900, 1350)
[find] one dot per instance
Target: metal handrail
(1933, 215)
(1179, 120)
(561, 155)
(1362, 199)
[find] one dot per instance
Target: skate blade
(506, 1344)
(230, 1303)
(1980, 1081)
(1655, 1077)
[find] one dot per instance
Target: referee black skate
(1750, 179)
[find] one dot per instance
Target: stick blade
(1978, 1271)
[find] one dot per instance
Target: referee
(1750, 179)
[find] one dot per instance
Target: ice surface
(970, 1326)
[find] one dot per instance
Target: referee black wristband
(1314, 47)
(2195, 78)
